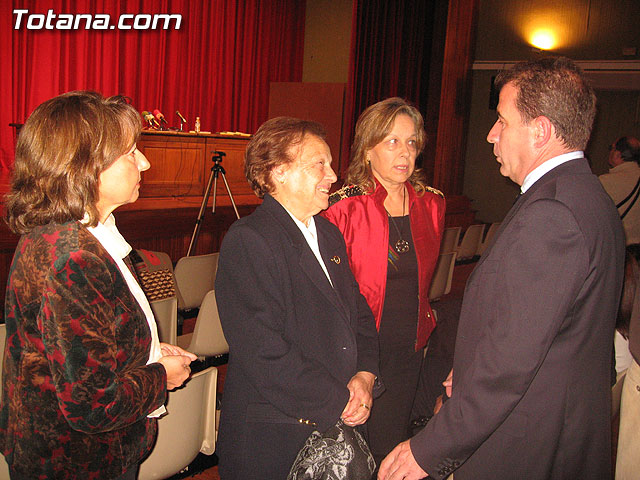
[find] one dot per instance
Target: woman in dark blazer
(303, 349)
(84, 373)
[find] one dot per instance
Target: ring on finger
(365, 406)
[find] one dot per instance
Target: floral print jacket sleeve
(76, 387)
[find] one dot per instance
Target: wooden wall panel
(320, 102)
(175, 166)
(181, 165)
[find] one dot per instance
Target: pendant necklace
(401, 246)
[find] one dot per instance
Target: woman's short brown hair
(273, 145)
(373, 125)
(62, 148)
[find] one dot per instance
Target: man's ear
(543, 131)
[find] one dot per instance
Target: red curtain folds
(391, 54)
(217, 66)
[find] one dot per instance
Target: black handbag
(340, 453)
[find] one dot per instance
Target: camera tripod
(216, 170)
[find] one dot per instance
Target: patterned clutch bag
(340, 453)
(154, 273)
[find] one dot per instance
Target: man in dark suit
(531, 374)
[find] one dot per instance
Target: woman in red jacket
(392, 223)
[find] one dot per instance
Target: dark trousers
(391, 412)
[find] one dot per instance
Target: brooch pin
(335, 259)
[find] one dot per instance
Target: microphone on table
(184, 120)
(150, 119)
(158, 114)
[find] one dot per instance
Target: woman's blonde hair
(373, 125)
(62, 148)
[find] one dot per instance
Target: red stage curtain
(391, 52)
(217, 66)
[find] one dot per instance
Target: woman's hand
(176, 361)
(360, 401)
(448, 386)
(168, 349)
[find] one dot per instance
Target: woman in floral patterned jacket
(84, 374)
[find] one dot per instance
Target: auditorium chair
(195, 276)
(207, 339)
(189, 427)
(488, 238)
(450, 239)
(442, 276)
(470, 243)
(166, 312)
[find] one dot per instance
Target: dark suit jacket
(531, 392)
(294, 341)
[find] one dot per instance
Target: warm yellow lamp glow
(543, 39)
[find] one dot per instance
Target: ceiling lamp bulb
(543, 39)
